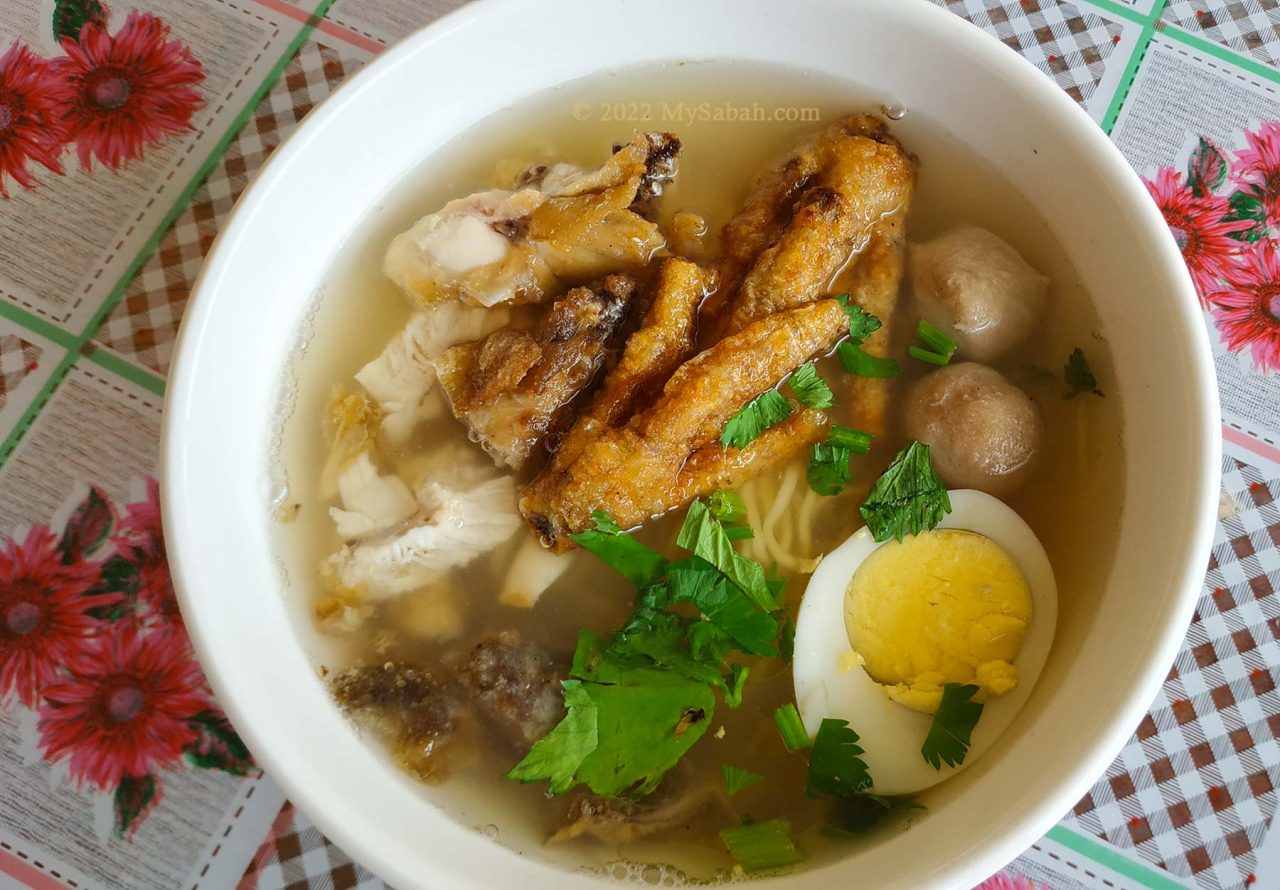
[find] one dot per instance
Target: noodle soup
(424, 633)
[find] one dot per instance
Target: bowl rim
(178, 515)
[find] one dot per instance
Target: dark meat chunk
(674, 804)
(515, 684)
(514, 389)
(416, 709)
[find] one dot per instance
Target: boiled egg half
(884, 626)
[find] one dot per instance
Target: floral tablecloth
(128, 129)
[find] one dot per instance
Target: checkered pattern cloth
(1247, 26)
(296, 856)
(18, 358)
(143, 326)
(1192, 791)
(1065, 43)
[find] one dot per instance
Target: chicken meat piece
(664, 340)
(401, 380)
(419, 711)
(516, 685)
(513, 389)
(805, 220)
(559, 227)
(647, 466)
(447, 527)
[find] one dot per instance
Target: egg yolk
(946, 606)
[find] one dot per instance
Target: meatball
(983, 431)
(978, 290)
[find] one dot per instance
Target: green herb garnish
(762, 845)
(857, 361)
(735, 685)
(948, 738)
(829, 469)
(703, 535)
(836, 767)
(908, 498)
(809, 388)
(1078, 375)
(702, 585)
(727, 505)
(787, 641)
(862, 324)
(847, 437)
(938, 347)
(736, 778)
(621, 552)
(860, 813)
(794, 735)
(620, 735)
(765, 410)
(636, 702)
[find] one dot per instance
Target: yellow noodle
(806, 520)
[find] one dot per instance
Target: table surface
(99, 246)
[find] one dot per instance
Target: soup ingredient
(875, 277)
(952, 727)
(419, 712)
(983, 431)
(768, 409)
(513, 389)
(533, 571)
(620, 820)
(624, 729)
(978, 290)
(668, 453)
(938, 348)
(836, 767)
(736, 778)
(515, 684)
(1078, 375)
(771, 407)
(664, 340)
(832, 678)
(940, 607)
(561, 226)
(373, 504)
(830, 461)
(761, 846)
(351, 426)
(855, 359)
(637, 701)
(804, 220)
(688, 232)
(452, 526)
(908, 498)
(791, 728)
(402, 379)
(809, 389)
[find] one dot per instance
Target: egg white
(891, 734)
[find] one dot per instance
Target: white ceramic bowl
(268, 261)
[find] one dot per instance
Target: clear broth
(1071, 502)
